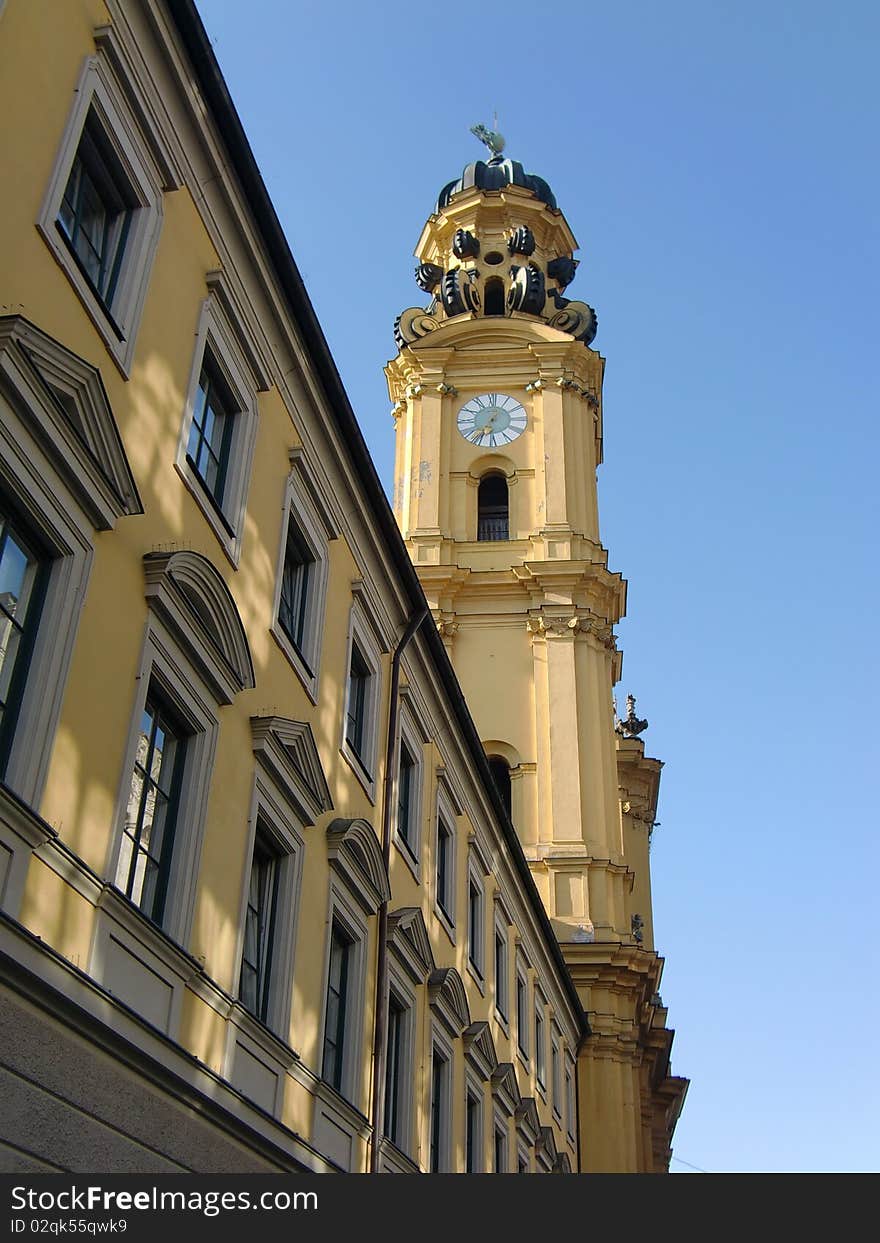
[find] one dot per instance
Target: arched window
(492, 508)
(501, 775)
(494, 296)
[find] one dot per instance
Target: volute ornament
(562, 270)
(465, 245)
(576, 318)
(428, 276)
(526, 291)
(522, 241)
(412, 324)
(458, 293)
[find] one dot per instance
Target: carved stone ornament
(541, 625)
(631, 727)
(526, 291)
(428, 276)
(447, 629)
(522, 241)
(562, 270)
(576, 318)
(465, 245)
(458, 293)
(637, 924)
(412, 324)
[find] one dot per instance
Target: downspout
(380, 1022)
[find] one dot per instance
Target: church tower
(497, 400)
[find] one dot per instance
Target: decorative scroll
(412, 324)
(522, 241)
(576, 318)
(526, 291)
(465, 245)
(428, 276)
(562, 270)
(458, 293)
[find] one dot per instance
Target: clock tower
(497, 401)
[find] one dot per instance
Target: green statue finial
(490, 137)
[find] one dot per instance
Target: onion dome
(495, 174)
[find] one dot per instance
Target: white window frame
(474, 1088)
(501, 928)
(447, 812)
(523, 1041)
(300, 509)
(409, 736)
(445, 1048)
(407, 1000)
(343, 909)
(556, 1069)
(146, 170)
(361, 635)
(570, 1099)
(476, 944)
(165, 666)
(270, 813)
(500, 1126)
(218, 335)
(540, 1020)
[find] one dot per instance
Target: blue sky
(718, 164)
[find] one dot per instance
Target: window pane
(296, 582)
(96, 211)
(394, 1072)
(23, 577)
(210, 432)
(358, 681)
(148, 833)
(259, 929)
(337, 1002)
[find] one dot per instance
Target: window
(363, 685)
(540, 1048)
(556, 1074)
(475, 924)
(445, 868)
(395, 1069)
(303, 571)
(102, 211)
(439, 1111)
(501, 775)
(219, 427)
(522, 1014)
(492, 508)
(147, 848)
(297, 583)
(23, 577)
(63, 475)
(570, 1103)
(96, 211)
(261, 911)
(210, 433)
(473, 1132)
(333, 1066)
(522, 1163)
(407, 794)
(500, 1149)
(501, 982)
(359, 675)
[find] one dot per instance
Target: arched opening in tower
(501, 775)
(493, 296)
(493, 508)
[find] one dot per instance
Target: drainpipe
(380, 1025)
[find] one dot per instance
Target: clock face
(492, 419)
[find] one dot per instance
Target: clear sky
(718, 164)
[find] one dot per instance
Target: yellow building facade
(264, 904)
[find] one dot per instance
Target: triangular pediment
(505, 1086)
(480, 1049)
(62, 400)
(408, 941)
(545, 1148)
(527, 1119)
(288, 750)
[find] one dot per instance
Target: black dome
(495, 175)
